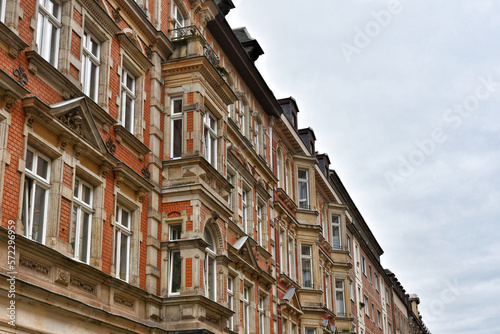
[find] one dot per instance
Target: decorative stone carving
(87, 287)
(110, 144)
(104, 168)
(63, 141)
(37, 267)
(123, 301)
(30, 117)
(20, 73)
(145, 171)
(62, 277)
(141, 193)
(74, 121)
(78, 150)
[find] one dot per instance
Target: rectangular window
(327, 291)
(246, 310)
(367, 307)
(260, 226)
(291, 257)
(376, 283)
(310, 331)
(348, 241)
(174, 232)
(230, 195)
(387, 296)
(339, 297)
(48, 26)
(336, 232)
(262, 316)
(373, 312)
(244, 213)
(176, 129)
(81, 223)
(230, 300)
(370, 272)
(294, 328)
(177, 17)
(390, 327)
(36, 195)
(174, 281)
(210, 139)
(283, 257)
(303, 189)
(356, 254)
(307, 279)
(2, 10)
(351, 290)
(128, 97)
(90, 65)
(243, 119)
(363, 265)
(379, 319)
(122, 242)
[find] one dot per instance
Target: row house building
(150, 182)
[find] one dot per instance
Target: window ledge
(10, 38)
(123, 136)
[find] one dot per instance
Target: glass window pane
(39, 214)
(130, 82)
(177, 137)
(95, 47)
(211, 278)
(176, 271)
(84, 237)
(302, 174)
(75, 189)
(94, 72)
(177, 106)
(306, 250)
(123, 256)
(125, 218)
(53, 44)
(86, 194)
(29, 160)
(306, 273)
(72, 237)
(42, 168)
(128, 112)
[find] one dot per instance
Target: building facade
(150, 182)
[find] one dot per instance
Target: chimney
(414, 301)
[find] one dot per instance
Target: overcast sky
(403, 96)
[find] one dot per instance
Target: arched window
(210, 265)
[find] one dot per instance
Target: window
(387, 296)
(356, 254)
(307, 280)
(210, 266)
(210, 139)
(258, 137)
(262, 316)
(36, 195)
(244, 213)
(246, 310)
(303, 189)
(363, 265)
(177, 16)
(348, 241)
(379, 319)
(122, 242)
(351, 290)
(327, 291)
(367, 307)
(370, 272)
(284, 326)
(376, 283)
(230, 195)
(291, 257)
(294, 329)
(373, 312)
(128, 100)
(339, 297)
(283, 258)
(260, 226)
(2, 10)
(49, 23)
(230, 300)
(310, 331)
(90, 65)
(390, 327)
(243, 116)
(279, 168)
(176, 128)
(175, 231)
(336, 232)
(81, 223)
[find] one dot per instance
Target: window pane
(86, 194)
(302, 174)
(94, 47)
(53, 44)
(123, 256)
(175, 231)
(94, 72)
(177, 106)
(29, 160)
(39, 214)
(128, 113)
(306, 250)
(84, 237)
(177, 137)
(130, 82)
(306, 273)
(211, 278)
(125, 218)
(42, 168)
(72, 237)
(55, 8)
(176, 271)
(75, 190)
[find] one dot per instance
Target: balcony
(189, 41)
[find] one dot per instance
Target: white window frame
(129, 92)
(348, 241)
(340, 307)
(210, 138)
(310, 331)
(48, 45)
(210, 256)
(246, 309)
(377, 284)
(283, 257)
(291, 257)
(363, 265)
(244, 210)
(81, 207)
(3, 5)
(122, 231)
(379, 319)
(41, 182)
(367, 306)
(307, 258)
(351, 290)
(89, 59)
(304, 203)
(176, 117)
(230, 300)
(279, 163)
(336, 228)
(262, 315)
(260, 225)
(327, 290)
(176, 12)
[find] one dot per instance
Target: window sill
(15, 43)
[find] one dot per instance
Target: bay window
(307, 279)
(336, 232)
(36, 195)
(303, 189)
(339, 298)
(81, 223)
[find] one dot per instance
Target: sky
(404, 97)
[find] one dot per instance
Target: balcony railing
(191, 31)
